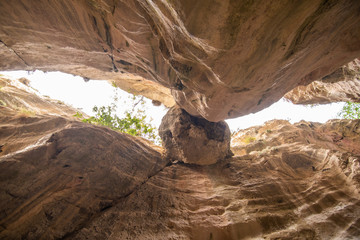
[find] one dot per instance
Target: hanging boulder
(194, 140)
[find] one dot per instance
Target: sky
(73, 90)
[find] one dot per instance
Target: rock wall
(220, 59)
(62, 179)
(341, 86)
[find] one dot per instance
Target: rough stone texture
(57, 175)
(70, 180)
(341, 86)
(61, 179)
(221, 59)
(194, 140)
(141, 86)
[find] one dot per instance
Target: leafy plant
(25, 112)
(248, 139)
(350, 111)
(134, 121)
(78, 115)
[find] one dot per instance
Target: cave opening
(84, 93)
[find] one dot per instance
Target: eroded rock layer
(221, 59)
(62, 179)
(341, 86)
(56, 175)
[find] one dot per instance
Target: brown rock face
(341, 86)
(71, 180)
(56, 175)
(62, 179)
(193, 139)
(221, 59)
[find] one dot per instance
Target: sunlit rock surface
(220, 59)
(62, 179)
(194, 139)
(57, 175)
(341, 86)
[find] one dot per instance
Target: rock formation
(194, 140)
(221, 59)
(62, 179)
(341, 86)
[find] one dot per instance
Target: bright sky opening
(74, 91)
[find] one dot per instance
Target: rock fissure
(109, 205)
(13, 51)
(306, 28)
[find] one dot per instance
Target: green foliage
(350, 111)
(25, 112)
(248, 139)
(78, 115)
(134, 122)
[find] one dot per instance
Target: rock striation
(220, 59)
(341, 86)
(193, 139)
(63, 179)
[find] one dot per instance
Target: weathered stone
(341, 86)
(194, 139)
(62, 179)
(221, 58)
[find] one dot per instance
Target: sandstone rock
(56, 174)
(221, 59)
(193, 139)
(61, 179)
(341, 86)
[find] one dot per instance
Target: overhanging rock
(220, 59)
